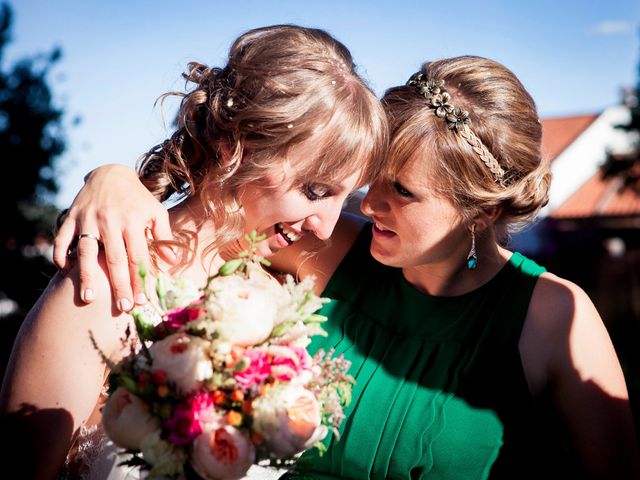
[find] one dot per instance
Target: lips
(381, 231)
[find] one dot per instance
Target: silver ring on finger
(89, 235)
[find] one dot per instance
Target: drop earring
(472, 258)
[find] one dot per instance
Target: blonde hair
(502, 116)
(283, 85)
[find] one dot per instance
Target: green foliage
(30, 125)
(31, 138)
(624, 167)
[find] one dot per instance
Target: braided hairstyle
(494, 160)
(283, 86)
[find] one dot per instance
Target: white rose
(180, 291)
(165, 458)
(244, 309)
(222, 452)
(289, 419)
(126, 419)
(184, 359)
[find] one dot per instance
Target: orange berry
(237, 395)
(219, 397)
(234, 418)
(162, 391)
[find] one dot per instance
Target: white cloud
(613, 27)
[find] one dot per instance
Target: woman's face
(412, 226)
(285, 209)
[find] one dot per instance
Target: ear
(487, 218)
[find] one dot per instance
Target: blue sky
(120, 55)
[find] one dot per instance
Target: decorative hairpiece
(457, 119)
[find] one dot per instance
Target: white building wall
(580, 160)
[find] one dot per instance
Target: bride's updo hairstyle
(477, 128)
(283, 86)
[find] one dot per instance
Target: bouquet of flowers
(222, 379)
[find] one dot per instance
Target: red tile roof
(598, 196)
(559, 133)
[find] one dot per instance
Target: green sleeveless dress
(440, 390)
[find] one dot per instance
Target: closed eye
(400, 190)
(316, 191)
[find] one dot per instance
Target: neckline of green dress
(514, 262)
(426, 317)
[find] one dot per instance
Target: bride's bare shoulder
(61, 320)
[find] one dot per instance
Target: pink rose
(184, 359)
(126, 419)
(189, 417)
(244, 309)
(223, 452)
(288, 417)
(177, 317)
(257, 371)
(289, 362)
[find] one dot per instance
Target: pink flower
(127, 420)
(189, 417)
(289, 419)
(223, 452)
(184, 360)
(257, 371)
(289, 362)
(177, 317)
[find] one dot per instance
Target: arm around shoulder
(566, 350)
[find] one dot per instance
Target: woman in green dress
(471, 361)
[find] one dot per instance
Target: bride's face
(285, 209)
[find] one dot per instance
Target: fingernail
(125, 304)
(141, 299)
(87, 295)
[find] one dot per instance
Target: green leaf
(142, 271)
(231, 266)
(242, 364)
(146, 330)
(315, 318)
(161, 288)
(281, 329)
(128, 383)
(265, 262)
(161, 291)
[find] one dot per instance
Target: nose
(322, 222)
(374, 201)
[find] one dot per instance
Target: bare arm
(565, 348)
(114, 206)
(55, 375)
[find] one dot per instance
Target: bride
(274, 141)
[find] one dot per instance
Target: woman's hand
(115, 210)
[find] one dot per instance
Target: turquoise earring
(472, 258)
